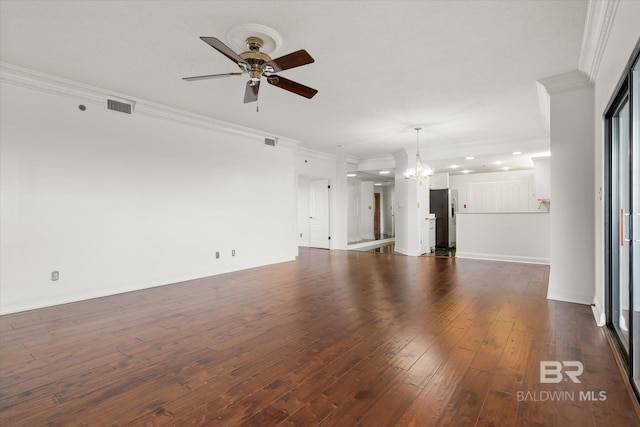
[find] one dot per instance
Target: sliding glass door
(620, 222)
(622, 124)
(634, 233)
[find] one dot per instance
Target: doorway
(622, 210)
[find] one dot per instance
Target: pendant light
(420, 171)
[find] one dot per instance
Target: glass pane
(635, 195)
(621, 207)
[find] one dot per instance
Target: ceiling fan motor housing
(255, 59)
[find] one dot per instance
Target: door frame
(302, 222)
(377, 218)
(624, 90)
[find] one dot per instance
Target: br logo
(554, 372)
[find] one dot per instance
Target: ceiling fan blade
(223, 49)
(251, 92)
(210, 76)
(292, 86)
(292, 60)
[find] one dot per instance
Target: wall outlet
(217, 255)
(300, 234)
(55, 275)
(233, 252)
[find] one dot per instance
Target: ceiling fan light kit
(258, 64)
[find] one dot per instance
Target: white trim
(316, 154)
(19, 76)
(597, 27)
(544, 103)
(599, 315)
(565, 82)
(501, 257)
(406, 252)
(577, 298)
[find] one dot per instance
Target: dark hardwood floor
(336, 338)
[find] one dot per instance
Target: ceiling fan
(258, 64)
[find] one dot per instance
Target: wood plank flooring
(335, 338)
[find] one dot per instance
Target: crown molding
(565, 82)
(35, 80)
(304, 151)
(598, 22)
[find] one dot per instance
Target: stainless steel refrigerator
(444, 205)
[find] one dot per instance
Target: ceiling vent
(120, 105)
(270, 141)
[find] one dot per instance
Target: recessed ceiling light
(454, 166)
(506, 168)
(469, 157)
(499, 162)
(384, 172)
(466, 171)
(377, 184)
(515, 153)
(351, 175)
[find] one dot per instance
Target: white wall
(117, 203)
(519, 237)
(571, 276)
(353, 210)
(388, 198)
(402, 203)
(542, 177)
(520, 183)
(440, 181)
(411, 207)
(620, 42)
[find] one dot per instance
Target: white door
(319, 214)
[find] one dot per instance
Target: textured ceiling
(464, 70)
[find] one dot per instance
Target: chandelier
(420, 171)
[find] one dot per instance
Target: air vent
(270, 141)
(120, 105)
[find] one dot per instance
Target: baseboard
(51, 301)
(601, 318)
(573, 297)
(503, 257)
(400, 250)
(406, 252)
